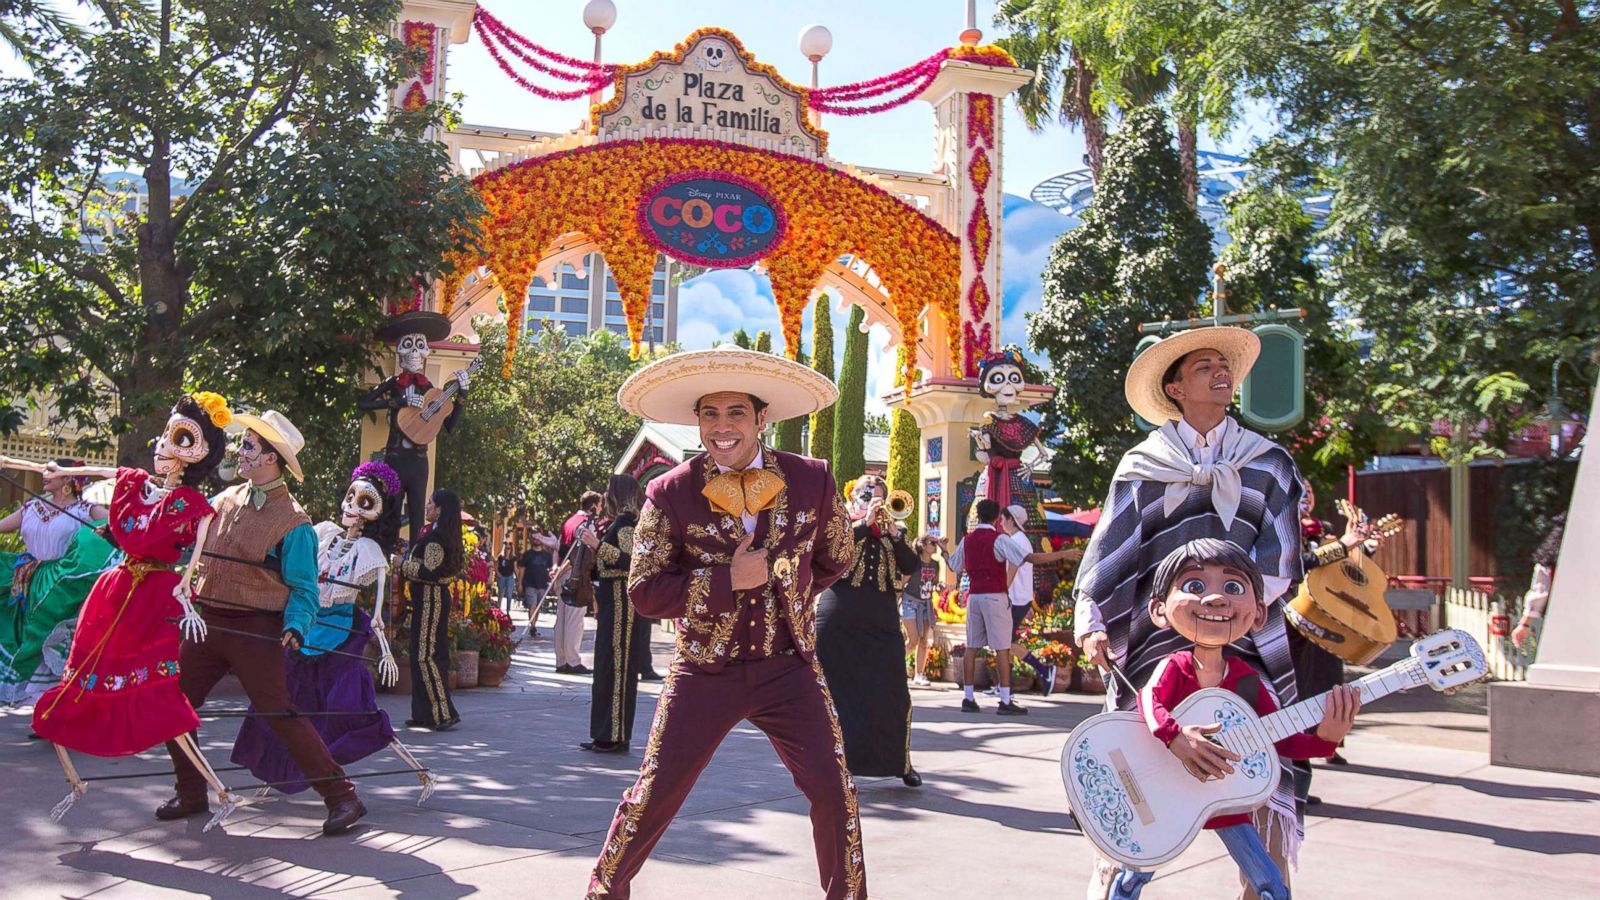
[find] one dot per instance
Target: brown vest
(244, 532)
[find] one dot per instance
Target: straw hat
(1143, 384)
(276, 429)
(667, 389)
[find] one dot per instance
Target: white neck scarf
(1164, 457)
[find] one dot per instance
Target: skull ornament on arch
(411, 352)
(715, 57)
(181, 445)
(362, 503)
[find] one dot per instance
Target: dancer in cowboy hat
(736, 544)
(257, 589)
(1200, 474)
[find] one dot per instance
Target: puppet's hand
(1339, 713)
(1204, 759)
(413, 399)
(463, 379)
(293, 639)
(192, 626)
(388, 672)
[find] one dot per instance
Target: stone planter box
(466, 669)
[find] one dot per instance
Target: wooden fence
(1471, 611)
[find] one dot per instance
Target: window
(657, 335)
(658, 310)
(611, 285)
(578, 305)
(542, 303)
(572, 282)
(614, 307)
(575, 329)
(618, 329)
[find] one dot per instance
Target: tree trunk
(1094, 124)
(1188, 157)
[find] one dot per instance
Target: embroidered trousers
(615, 692)
(788, 700)
(430, 655)
(258, 661)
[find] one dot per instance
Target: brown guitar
(421, 424)
(1341, 607)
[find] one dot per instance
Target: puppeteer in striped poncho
(1178, 485)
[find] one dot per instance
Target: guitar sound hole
(1354, 573)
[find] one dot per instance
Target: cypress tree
(741, 338)
(850, 414)
(822, 361)
(905, 451)
(763, 342)
(788, 435)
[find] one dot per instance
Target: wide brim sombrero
(666, 390)
(430, 325)
(1143, 384)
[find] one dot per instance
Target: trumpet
(899, 505)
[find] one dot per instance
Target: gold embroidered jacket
(682, 556)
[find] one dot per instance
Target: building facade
(581, 302)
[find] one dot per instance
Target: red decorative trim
(591, 79)
(975, 345)
(913, 80)
(648, 233)
(978, 298)
(980, 232)
(979, 170)
(980, 120)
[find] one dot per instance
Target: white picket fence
(1470, 611)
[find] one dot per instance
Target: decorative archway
(602, 191)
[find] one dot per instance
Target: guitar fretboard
(1308, 714)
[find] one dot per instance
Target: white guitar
(1138, 804)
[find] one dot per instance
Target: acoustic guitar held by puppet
(1140, 807)
(421, 424)
(1341, 607)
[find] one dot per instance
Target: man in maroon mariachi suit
(736, 544)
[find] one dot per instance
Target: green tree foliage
(741, 338)
(905, 451)
(279, 207)
(789, 435)
(822, 361)
(1460, 142)
(1141, 254)
(539, 439)
(850, 413)
(1042, 39)
(763, 342)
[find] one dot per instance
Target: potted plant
(465, 663)
(1022, 677)
(936, 664)
(983, 677)
(1063, 657)
(1091, 680)
(495, 646)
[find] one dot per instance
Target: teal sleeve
(297, 560)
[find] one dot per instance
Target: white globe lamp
(599, 15)
(815, 42)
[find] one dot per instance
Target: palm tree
(1063, 84)
(28, 26)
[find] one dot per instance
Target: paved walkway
(520, 813)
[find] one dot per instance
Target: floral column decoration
(421, 40)
(977, 337)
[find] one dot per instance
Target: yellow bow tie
(738, 493)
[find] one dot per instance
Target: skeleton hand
(388, 671)
(981, 438)
(191, 625)
(413, 399)
(463, 379)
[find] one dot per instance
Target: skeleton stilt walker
(333, 689)
(120, 694)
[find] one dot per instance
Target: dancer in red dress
(119, 695)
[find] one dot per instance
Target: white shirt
(1021, 589)
(749, 518)
(1202, 447)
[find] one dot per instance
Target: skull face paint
(411, 351)
(252, 453)
(362, 503)
(181, 445)
(1003, 382)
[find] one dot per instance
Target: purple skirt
(325, 683)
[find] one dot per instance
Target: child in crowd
(1210, 592)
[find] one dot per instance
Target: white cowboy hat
(1143, 385)
(276, 429)
(667, 389)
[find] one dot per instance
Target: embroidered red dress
(119, 694)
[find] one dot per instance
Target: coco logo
(713, 220)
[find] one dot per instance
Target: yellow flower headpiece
(215, 407)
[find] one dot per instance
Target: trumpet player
(859, 643)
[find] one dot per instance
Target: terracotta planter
(466, 666)
(492, 671)
(1064, 678)
(1091, 681)
(980, 681)
(1021, 684)
(403, 685)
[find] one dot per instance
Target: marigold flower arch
(596, 191)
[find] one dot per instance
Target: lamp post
(815, 42)
(598, 17)
(971, 36)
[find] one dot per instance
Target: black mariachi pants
(430, 655)
(616, 665)
(412, 467)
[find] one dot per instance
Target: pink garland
(916, 77)
(583, 90)
(553, 56)
(588, 74)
